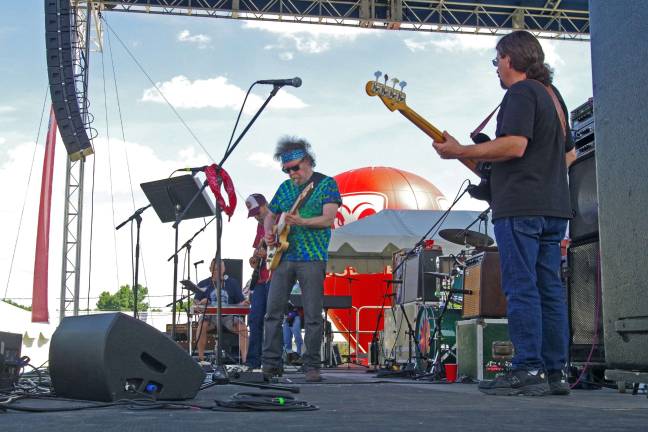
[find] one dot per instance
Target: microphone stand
(220, 373)
(413, 251)
(483, 216)
(137, 218)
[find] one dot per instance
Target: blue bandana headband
(292, 155)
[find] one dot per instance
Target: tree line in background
(123, 300)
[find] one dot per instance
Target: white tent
(35, 336)
(369, 243)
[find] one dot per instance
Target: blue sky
(204, 66)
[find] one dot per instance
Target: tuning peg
(394, 82)
(402, 85)
(377, 74)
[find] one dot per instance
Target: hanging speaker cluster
(60, 37)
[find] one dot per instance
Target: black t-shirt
(536, 183)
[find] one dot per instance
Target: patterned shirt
(307, 244)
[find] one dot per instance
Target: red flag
(39, 293)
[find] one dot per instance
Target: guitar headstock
(393, 98)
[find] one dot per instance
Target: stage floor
(351, 399)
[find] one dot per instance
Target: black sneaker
(517, 382)
(558, 384)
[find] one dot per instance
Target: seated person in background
(292, 326)
(231, 295)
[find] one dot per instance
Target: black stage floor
(351, 399)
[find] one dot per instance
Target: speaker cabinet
(482, 276)
(416, 284)
(113, 356)
(585, 306)
(584, 198)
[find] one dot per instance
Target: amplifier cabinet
(482, 277)
(417, 284)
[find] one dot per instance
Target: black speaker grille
(584, 198)
(584, 298)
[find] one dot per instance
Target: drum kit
(436, 322)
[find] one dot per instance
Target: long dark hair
(526, 55)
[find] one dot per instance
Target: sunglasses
(292, 168)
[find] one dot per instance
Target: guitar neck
(434, 133)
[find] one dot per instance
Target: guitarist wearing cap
(260, 283)
(308, 202)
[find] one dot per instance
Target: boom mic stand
(220, 373)
(138, 219)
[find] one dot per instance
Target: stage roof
(566, 19)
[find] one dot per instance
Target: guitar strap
(559, 110)
(554, 98)
(483, 124)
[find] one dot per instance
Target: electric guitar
(394, 99)
(281, 230)
(260, 262)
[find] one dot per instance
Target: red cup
(451, 372)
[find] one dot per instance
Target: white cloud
(287, 56)
(2, 140)
(551, 54)
(452, 43)
(200, 39)
(215, 93)
(6, 109)
(263, 160)
(308, 38)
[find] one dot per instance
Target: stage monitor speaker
(482, 276)
(113, 356)
(417, 285)
(60, 36)
(584, 198)
(585, 307)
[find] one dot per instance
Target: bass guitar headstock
(393, 98)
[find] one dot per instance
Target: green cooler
(475, 339)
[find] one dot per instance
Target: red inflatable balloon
(366, 191)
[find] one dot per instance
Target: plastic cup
(451, 372)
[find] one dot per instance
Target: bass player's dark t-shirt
(536, 183)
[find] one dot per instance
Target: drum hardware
(466, 237)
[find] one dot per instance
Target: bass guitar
(395, 100)
(281, 230)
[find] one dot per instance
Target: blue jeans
(529, 249)
(258, 302)
(289, 331)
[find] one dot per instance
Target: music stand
(171, 197)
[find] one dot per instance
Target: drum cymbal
(466, 237)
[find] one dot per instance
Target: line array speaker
(113, 356)
(60, 35)
(585, 306)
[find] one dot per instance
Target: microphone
(295, 82)
(193, 170)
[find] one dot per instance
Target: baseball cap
(254, 203)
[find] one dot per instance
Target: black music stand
(176, 199)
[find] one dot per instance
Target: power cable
(22, 211)
(112, 196)
(156, 88)
(128, 170)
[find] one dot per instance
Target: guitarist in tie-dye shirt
(306, 256)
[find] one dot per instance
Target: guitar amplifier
(417, 285)
(482, 277)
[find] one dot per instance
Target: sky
(204, 66)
